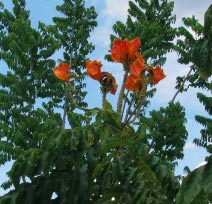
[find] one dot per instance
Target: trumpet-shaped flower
(157, 74)
(61, 72)
(94, 69)
(108, 82)
(124, 51)
(133, 84)
(137, 66)
(106, 79)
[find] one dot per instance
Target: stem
(103, 99)
(72, 99)
(136, 112)
(133, 113)
(184, 81)
(125, 102)
(121, 94)
(128, 108)
(65, 109)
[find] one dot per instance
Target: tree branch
(184, 81)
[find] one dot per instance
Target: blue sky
(109, 11)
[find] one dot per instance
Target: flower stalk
(121, 93)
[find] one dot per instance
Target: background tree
(195, 48)
(27, 89)
(28, 99)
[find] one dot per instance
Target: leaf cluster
(90, 164)
(165, 132)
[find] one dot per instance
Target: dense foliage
(65, 153)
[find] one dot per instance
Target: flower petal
(130, 83)
(61, 72)
(158, 75)
(137, 66)
(94, 69)
(124, 51)
(133, 48)
(108, 82)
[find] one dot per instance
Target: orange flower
(61, 72)
(113, 89)
(94, 69)
(137, 66)
(133, 47)
(157, 75)
(133, 84)
(124, 51)
(130, 83)
(108, 82)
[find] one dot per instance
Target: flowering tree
(102, 155)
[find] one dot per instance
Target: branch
(125, 102)
(184, 81)
(65, 109)
(129, 107)
(104, 93)
(72, 99)
(136, 111)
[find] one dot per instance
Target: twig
(183, 83)
(65, 109)
(128, 108)
(137, 108)
(73, 101)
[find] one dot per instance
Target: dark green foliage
(206, 132)
(151, 20)
(165, 132)
(186, 45)
(91, 164)
(196, 186)
(197, 50)
(29, 80)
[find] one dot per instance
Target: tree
(196, 186)
(28, 99)
(102, 155)
(152, 21)
(28, 82)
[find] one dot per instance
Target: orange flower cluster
(106, 79)
(126, 52)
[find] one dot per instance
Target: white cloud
(107, 17)
(116, 9)
(101, 36)
(187, 8)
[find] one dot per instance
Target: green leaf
(191, 187)
(207, 178)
